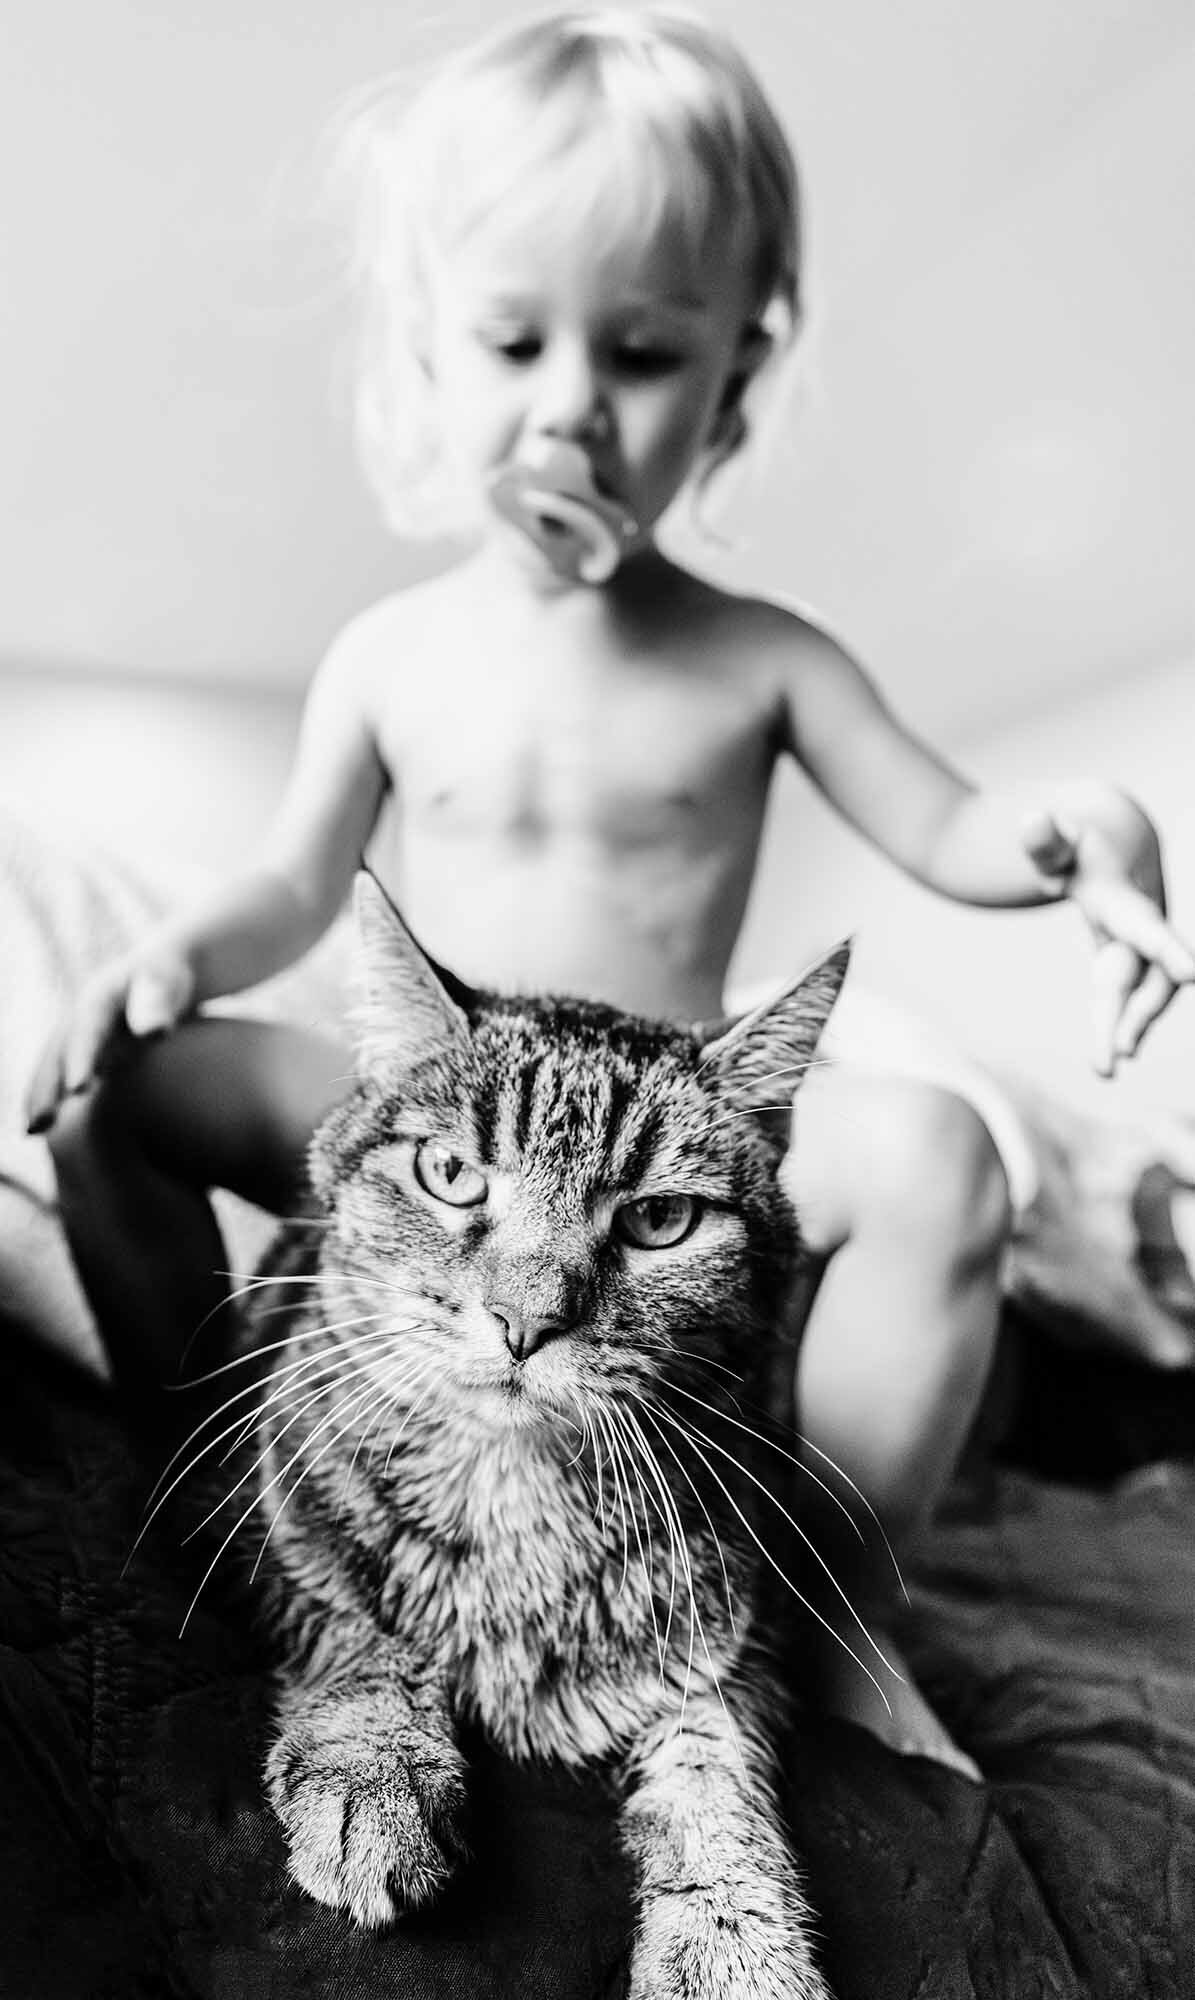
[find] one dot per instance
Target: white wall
(990, 489)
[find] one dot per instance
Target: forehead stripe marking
(638, 1149)
(524, 1103)
(484, 1109)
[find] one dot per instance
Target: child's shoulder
(772, 631)
(387, 627)
(381, 648)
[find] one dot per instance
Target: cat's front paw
(373, 1829)
(704, 1944)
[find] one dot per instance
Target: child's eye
(657, 1221)
(518, 348)
(444, 1175)
(647, 361)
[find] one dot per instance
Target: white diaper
(868, 1032)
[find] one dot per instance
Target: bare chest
(621, 758)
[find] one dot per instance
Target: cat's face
(560, 1203)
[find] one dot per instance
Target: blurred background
(985, 481)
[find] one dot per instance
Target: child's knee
(883, 1156)
(940, 1172)
(91, 1136)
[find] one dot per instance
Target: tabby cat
(513, 1459)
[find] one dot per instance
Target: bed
(1052, 1620)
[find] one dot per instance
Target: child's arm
(260, 918)
(1083, 841)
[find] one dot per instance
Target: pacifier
(548, 492)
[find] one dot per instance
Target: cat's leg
(720, 1911)
(898, 1186)
(217, 1103)
(369, 1783)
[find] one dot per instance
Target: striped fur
(510, 1459)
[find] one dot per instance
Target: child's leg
(899, 1187)
(217, 1103)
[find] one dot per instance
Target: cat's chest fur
(551, 1612)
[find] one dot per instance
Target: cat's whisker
(357, 1372)
(761, 1437)
(753, 1110)
(431, 1371)
(603, 1421)
(306, 1331)
(347, 1360)
(384, 1328)
(726, 1114)
(384, 1403)
(664, 1486)
(697, 1494)
(601, 1498)
(329, 1361)
(809, 1473)
(591, 1443)
(859, 1494)
(354, 1401)
(686, 1432)
(707, 1361)
(670, 1521)
(768, 1494)
(252, 1282)
(362, 1396)
(584, 1444)
(808, 1445)
(666, 1490)
(705, 1646)
(334, 1356)
(647, 1562)
(304, 1334)
(325, 1277)
(695, 1624)
(352, 1464)
(798, 1070)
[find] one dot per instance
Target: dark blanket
(1053, 1622)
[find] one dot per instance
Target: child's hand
(1107, 861)
(141, 995)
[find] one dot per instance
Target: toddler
(580, 245)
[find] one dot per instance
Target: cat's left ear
(761, 1058)
(408, 1005)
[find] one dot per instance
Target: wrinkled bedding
(1052, 1621)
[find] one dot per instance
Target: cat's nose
(524, 1331)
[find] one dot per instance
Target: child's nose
(571, 402)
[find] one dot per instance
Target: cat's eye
(656, 1221)
(443, 1174)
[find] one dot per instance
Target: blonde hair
(619, 122)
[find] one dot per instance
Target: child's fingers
(157, 997)
(1050, 847)
(91, 1030)
(1126, 914)
(45, 1092)
(1143, 1007)
(1115, 974)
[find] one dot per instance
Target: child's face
(626, 353)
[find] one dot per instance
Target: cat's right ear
(760, 1058)
(404, 1008)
